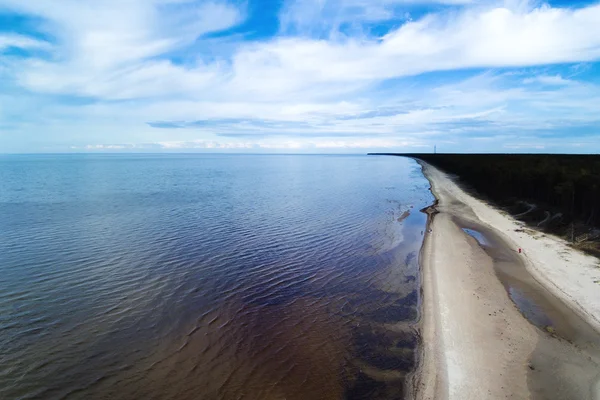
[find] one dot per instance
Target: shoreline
(479, 338)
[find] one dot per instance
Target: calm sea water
(208, 276)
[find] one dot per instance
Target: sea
(209, 276)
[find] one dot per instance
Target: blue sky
(299, 76)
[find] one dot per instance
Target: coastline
(478, 341)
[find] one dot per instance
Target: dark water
(208, 276)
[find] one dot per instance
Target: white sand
(569, 274)
(477, 345)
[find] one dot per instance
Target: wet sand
(491, 329)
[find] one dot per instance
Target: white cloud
(327, 16)
(334, 91)
(109, 54)
(105, 147)
(496, 37)
(549, 80)
(524, 146)
(204, 144)
(109, 49)
(20, 41)
(268, 144)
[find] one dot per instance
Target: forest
(555, 193)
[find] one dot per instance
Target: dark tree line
(566, 183)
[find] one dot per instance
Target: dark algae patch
(367, 388)
(384, 346)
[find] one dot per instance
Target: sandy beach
(498, 323)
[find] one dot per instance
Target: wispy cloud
(261, 145)
(21, 42)
(549, 80)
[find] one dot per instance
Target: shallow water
(208, 276)
(477, 236)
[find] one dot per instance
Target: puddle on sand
(477, 236)
(524, 295)
(532, 311)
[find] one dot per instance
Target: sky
(293, 76)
